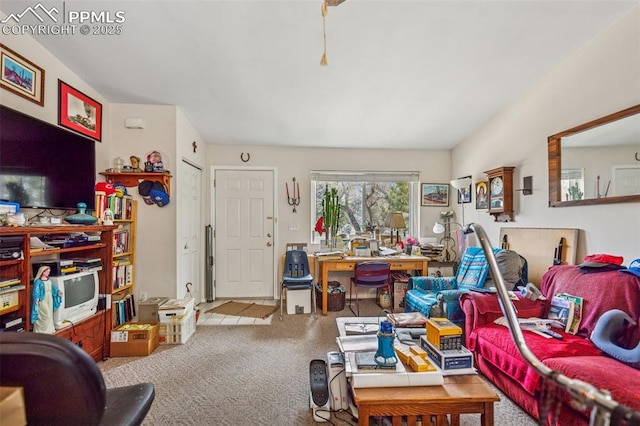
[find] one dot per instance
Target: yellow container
(443, 334)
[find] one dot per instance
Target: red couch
(575, 356)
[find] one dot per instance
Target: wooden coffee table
(458, 395)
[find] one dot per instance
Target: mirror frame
(555, 162)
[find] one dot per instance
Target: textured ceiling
(400, 74)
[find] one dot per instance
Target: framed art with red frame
(78, 112)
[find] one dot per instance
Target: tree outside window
(366, 202)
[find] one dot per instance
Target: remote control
(553, 334)
(318, 382)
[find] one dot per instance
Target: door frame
(212, 187)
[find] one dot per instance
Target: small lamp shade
(461, 183)
(396, 220)
(438, 228)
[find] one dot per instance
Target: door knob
(269, 244)
(269, 235)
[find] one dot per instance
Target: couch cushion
(603, 372)
(493, 342)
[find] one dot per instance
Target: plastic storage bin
(177, 329)
(298, 301)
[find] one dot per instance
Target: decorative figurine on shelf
(135, 163)
(155, 158)
(107, 217)
(45, 300)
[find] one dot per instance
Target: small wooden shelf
(134, 178)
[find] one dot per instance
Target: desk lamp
(395, 220)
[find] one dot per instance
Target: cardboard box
(449, 360)
(399, 291)
(444, 334)
(12, 411)
(148, 309)
(298, 301)
(134, 339)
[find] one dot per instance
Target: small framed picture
(482, 201)
(21, 76)
(78, 112)
(434, 194)
(464, 194)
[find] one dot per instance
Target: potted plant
(331, 215)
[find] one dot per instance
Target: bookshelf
(123, 296)
(92, 333)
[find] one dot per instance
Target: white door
(244, 233)
(190, 269)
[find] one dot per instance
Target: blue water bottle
(386, 355)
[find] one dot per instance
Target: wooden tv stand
(93, 333)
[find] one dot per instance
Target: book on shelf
(9, 282)
(561, 310)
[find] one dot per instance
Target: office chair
(372, 274)
(297, 276)
(63, 385)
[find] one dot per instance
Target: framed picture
(434, 194)
(21, 76)
(464, 194)
(78, 112)
(482, 201)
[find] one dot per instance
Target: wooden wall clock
(501, 193)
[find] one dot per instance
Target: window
(366, 198)
(572, 184)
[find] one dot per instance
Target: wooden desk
(346, 264)
(458, 395)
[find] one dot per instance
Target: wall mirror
(597, 162)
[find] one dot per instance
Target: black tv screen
(43, 165)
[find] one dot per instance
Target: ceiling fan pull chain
(323, 61)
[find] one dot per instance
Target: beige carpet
(240, 309)
(248, 375)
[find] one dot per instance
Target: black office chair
(372, 274)
(63, 385)
(297, 276)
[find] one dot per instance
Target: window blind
(364, 176)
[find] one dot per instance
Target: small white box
(175, 308)
(298, 301)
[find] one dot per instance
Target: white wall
(434, 166)
(601, 78)
(156, 226)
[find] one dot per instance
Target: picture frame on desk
(78, 112)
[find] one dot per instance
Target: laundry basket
(335, 296)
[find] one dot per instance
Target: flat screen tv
(43, 165)
(80, 293)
